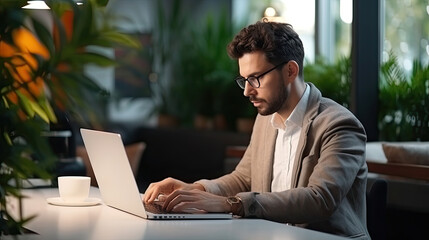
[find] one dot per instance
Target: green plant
(170, 30)
(403, 99)
(333, 80)
(205, 69)
(404, 102)
(41, 71)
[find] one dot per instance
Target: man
(305, 164)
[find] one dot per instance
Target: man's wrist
(236, 205)
(198, 186)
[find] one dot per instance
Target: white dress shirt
(287, 140)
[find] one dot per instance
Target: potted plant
(205, 71)
(42, 69)
(169, 30)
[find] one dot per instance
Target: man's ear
(292, 69)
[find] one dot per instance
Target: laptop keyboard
(154, 208)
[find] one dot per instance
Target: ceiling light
(36, 5)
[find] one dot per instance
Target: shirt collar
(297, 115)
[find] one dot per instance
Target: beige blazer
(329, 175)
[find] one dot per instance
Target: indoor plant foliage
(403, 98)
(170, 25)
(404, 102)
(43, 69)
(195, 74)
(333, 80)
(207, 72)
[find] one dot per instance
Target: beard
(274, 104)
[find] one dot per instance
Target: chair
(376, 195)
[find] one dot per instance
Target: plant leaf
(44, 36)
(39, 111)
(95, 58)
(47, 108)
(82, 23)
(25, 104)
(120, 38)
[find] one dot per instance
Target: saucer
(87, 202)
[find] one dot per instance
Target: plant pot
(202, 122)
(245, 125)
(220, 122)
(165, 120)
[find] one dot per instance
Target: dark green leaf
(83, 23)
(44, 36)
(95, 58)
(102, 3)
(121, 39)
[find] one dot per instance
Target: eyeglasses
(254, 80)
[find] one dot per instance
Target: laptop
(116, 180)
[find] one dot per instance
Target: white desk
(103, 223)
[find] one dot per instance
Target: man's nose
(248, 89)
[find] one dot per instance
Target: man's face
(272, 94)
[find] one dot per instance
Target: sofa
(403, 166)
(408, 182)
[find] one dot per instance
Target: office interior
(176, 94)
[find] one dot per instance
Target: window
(323, 25)
(333, 27)
(406, 31)
(300, 14)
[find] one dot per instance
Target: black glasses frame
(254, 80)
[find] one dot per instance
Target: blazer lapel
(268, 153)
(311, 113)
(299, 155)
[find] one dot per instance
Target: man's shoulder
(329, 105)
(332, 112)
(319, 105)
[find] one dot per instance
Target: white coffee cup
(74, 188)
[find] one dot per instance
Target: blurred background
(157, 72)
(182, 76)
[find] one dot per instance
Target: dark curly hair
(278, 41)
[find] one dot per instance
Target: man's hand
(166, 187)
(179, 196)
(195, 201)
